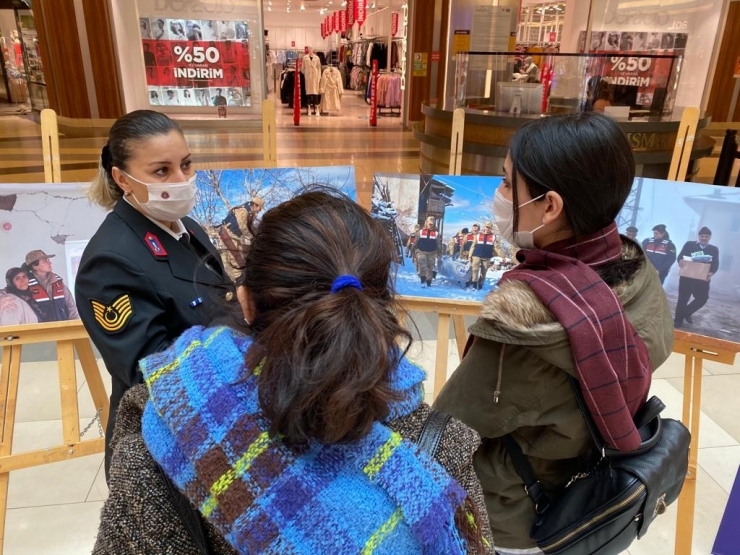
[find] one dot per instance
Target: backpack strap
(431, 432)
(532, 486)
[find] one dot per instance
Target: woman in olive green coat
(566, 180)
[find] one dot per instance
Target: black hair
(126, 131)
(585, 158)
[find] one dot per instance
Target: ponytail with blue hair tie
(342, 282)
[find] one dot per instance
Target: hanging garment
(311, 70)
(331, 90)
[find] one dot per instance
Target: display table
(487, 136)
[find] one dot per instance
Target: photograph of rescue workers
(691, 234)
(43, 230)
(447, 243)
(229, 203)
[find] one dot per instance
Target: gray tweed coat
(140, 517)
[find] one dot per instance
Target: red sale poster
(634, 67)
(197, 62)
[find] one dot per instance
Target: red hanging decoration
(360, 11)
(343, 21)
(350, 9)
(394, 24)
(335, 17)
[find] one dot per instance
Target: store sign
(350, 9)
(196, 62)
(394, 24)
(343, 21)
(195, 6)
(360, 11)
(323, 33)
(627, 65)
(420, 64)
(335, 17)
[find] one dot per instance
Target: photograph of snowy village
(690, 233)
(454, 205)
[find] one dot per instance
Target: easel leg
(9, 375)
(68, 392)
(691, 414)
(94, 380)
(443, 345)
(461, 334)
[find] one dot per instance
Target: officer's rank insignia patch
(113, 317)
(152, 241)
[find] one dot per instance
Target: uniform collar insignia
(154, 245)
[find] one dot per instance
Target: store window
(22, 58)
(687, 28)
(192, 56)
(541, 24)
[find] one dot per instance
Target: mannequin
(311, 70)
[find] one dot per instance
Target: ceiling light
(303, 8)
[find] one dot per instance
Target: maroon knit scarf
(612, 361)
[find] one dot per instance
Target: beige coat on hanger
(331, 90)
(311, 70)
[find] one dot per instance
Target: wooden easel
(696, 348)
(269, 134)
(50, 146)
(456, 143)
(447, 311)
(70, 337)
(684, 143)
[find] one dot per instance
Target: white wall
(282, 37)
(125, 15)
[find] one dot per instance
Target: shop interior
(22, 83)
(335, 56)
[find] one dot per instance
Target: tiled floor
(54, 509)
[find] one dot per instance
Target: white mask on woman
(168, 201)
(503, 214)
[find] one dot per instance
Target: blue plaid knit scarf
(204, 426)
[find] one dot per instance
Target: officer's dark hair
(123, 136)
(585, 158)
(328, 356)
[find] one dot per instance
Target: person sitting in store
(530, 71)
(599, 94)
(583, 303)
(295, 433)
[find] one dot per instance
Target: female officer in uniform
(149, 272)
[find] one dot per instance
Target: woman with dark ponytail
(295, 434)
(149, 272)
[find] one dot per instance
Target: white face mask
(168, 201)
(503, 214)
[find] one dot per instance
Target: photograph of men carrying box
(698, 262)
